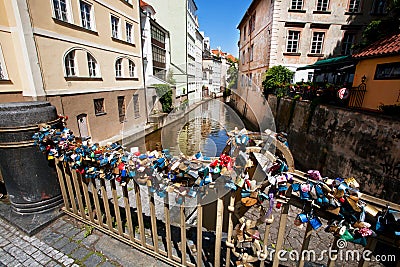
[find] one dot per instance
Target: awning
(330, 63)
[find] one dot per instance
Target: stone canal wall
(342, 143)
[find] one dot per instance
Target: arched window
(70, 64)
(92, 65)
(118, 67)
(131, 68)
(75, 62)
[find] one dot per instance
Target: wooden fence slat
(117, 210)
(218, 232)
(265, 242)
(140, 214)
(281, 233)
(68, 179)
(78, 194)
(87, 199)
(183, 233)
(199, 232)
(370, 246)
(230, 229)
(306, 242)
(61, 178)
(128, 213)
(153, 219)
(99, 213)
(168, 226)
(335, 252)
(106, 204)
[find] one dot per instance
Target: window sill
(73, 26)
(101, 114)
(291, 54)
(122, 41)
(127, 78)
(297, 10)
(5, 81)
(353, 13)
(77, 78)
(315, 55)
(321, 12)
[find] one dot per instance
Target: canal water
(202, 129)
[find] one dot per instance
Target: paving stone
(61, 243)
(69, 262)
(58, 256)
(68, 248)
(52, 264)
(30, 262)
(80, 253)
(6, 259)
(52, 238)
(30, 250)
(79, 236)
(93, 260)
(44, 260)
(72, 233)
(90, 240)
(107, 264)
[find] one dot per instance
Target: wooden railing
(118, 211)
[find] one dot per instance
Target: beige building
(295, 33)
(84, 56)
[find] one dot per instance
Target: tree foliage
(277, 78)
(232, 76)
(164, 93)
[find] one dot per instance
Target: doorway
(83, 125)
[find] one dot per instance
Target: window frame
(377, 11)
(131, 71)
(92, 25)
(3, 67)
(129, 37)
(316, 43)
(345, 50)
(70, 69)
(99, 107)
(118, 26)
(136, 106)
(292, 40)
(296, 5)
(352, 4)
(320, 5)
(392, 65)
(121, 108)
(92, 65)
(118, 68)
(68, 13)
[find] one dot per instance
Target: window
(244, 57)
(131, 69)
(251, 52)
(347, 42)
(114, 27)
(310, 76)
(86, 15)
(317, 42)
(379, 7)
(322, 5)
(157, 34)
(252, 22)
(136, 109)
(387, 71)
(118, 68)
(121, 108)
(91, 65)
(354, 6)
(129, 32)
(2, 75)
(293, 42)
(99, 106)
(244, 33)
(296, 4)
(250, 79)
(70, 64)
(158, 54)
(60, 9)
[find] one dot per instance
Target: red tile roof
(386, 46)
(143, 3)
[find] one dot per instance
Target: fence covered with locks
(111, 189)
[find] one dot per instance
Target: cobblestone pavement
(67, 242)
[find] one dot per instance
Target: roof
(143, 4)
(389, 45)
(329, 62)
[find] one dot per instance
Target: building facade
(296, 33)
(211, 72)
(180, 18)
(82, 56)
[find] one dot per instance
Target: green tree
(232, 74)
(164, 93)
(170, 77)
(276, 81)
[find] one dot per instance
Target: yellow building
(379, 64)
(84, 56)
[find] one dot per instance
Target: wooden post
(88, 203)
(68, 179)
(99, 213)
(370, 246)
(167, 226)
(306, 242)
(218, 230)
(281, 233)
(183, 233)
(117, 211)
(335, 252)
(140, 214)
(230, 229)
(265, 241)
(78, 195)
(153, 219)
(131, 231)
(106, 205)
(61, 179)
(199, 232)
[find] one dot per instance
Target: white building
(180, 18)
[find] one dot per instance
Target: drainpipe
(143, 69)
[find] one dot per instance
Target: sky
(218, 20)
